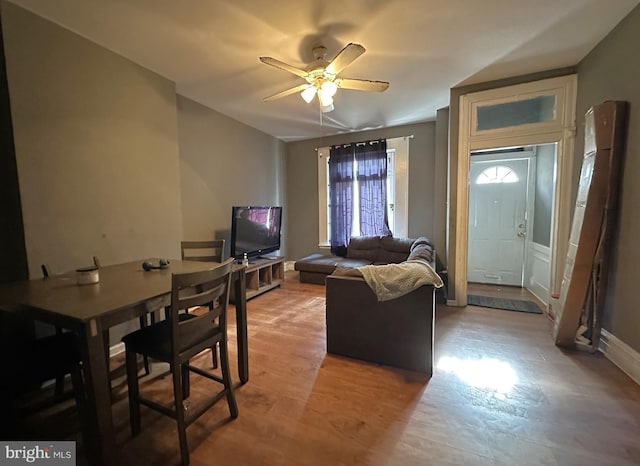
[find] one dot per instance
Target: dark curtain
(340, 197)
(372, 182)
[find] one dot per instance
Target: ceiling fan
(321, 76)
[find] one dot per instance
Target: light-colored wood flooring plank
(501, 394)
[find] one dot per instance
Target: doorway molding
(560, 129)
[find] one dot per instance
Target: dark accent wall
(13, 255)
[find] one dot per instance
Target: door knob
(522, 234)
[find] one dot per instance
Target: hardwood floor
(501, 394)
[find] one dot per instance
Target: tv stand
(266, 258)
(263, 275)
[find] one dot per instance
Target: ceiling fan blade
(362, 84)
(345, 56)
(284, 66)
(293, 90)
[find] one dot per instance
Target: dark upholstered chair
(178, 339)
(27, 363)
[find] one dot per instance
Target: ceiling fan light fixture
(328, 108)
(329, 88)
(322, 79)
(308, 94)
(326, 100)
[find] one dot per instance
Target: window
(538, 109)
(397, 190)
(497, 174)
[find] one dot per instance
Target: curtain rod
(410, 136)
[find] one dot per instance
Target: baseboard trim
(621, 354)
(116, 349)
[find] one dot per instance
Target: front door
(497, 220)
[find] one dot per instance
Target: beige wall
(612, 72)
(112, 163)
(96, 148)
(302, 183)
(224, 163)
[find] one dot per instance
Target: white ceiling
(210, 49)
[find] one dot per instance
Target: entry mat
(503, 303)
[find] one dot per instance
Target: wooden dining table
(123, 292)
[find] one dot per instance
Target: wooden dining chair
(179, 338)
(204, 251)
(27, 362)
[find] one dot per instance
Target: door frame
(561, 130)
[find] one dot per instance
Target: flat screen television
(255, 230)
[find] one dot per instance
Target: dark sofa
(365, 250)
(396, 332)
